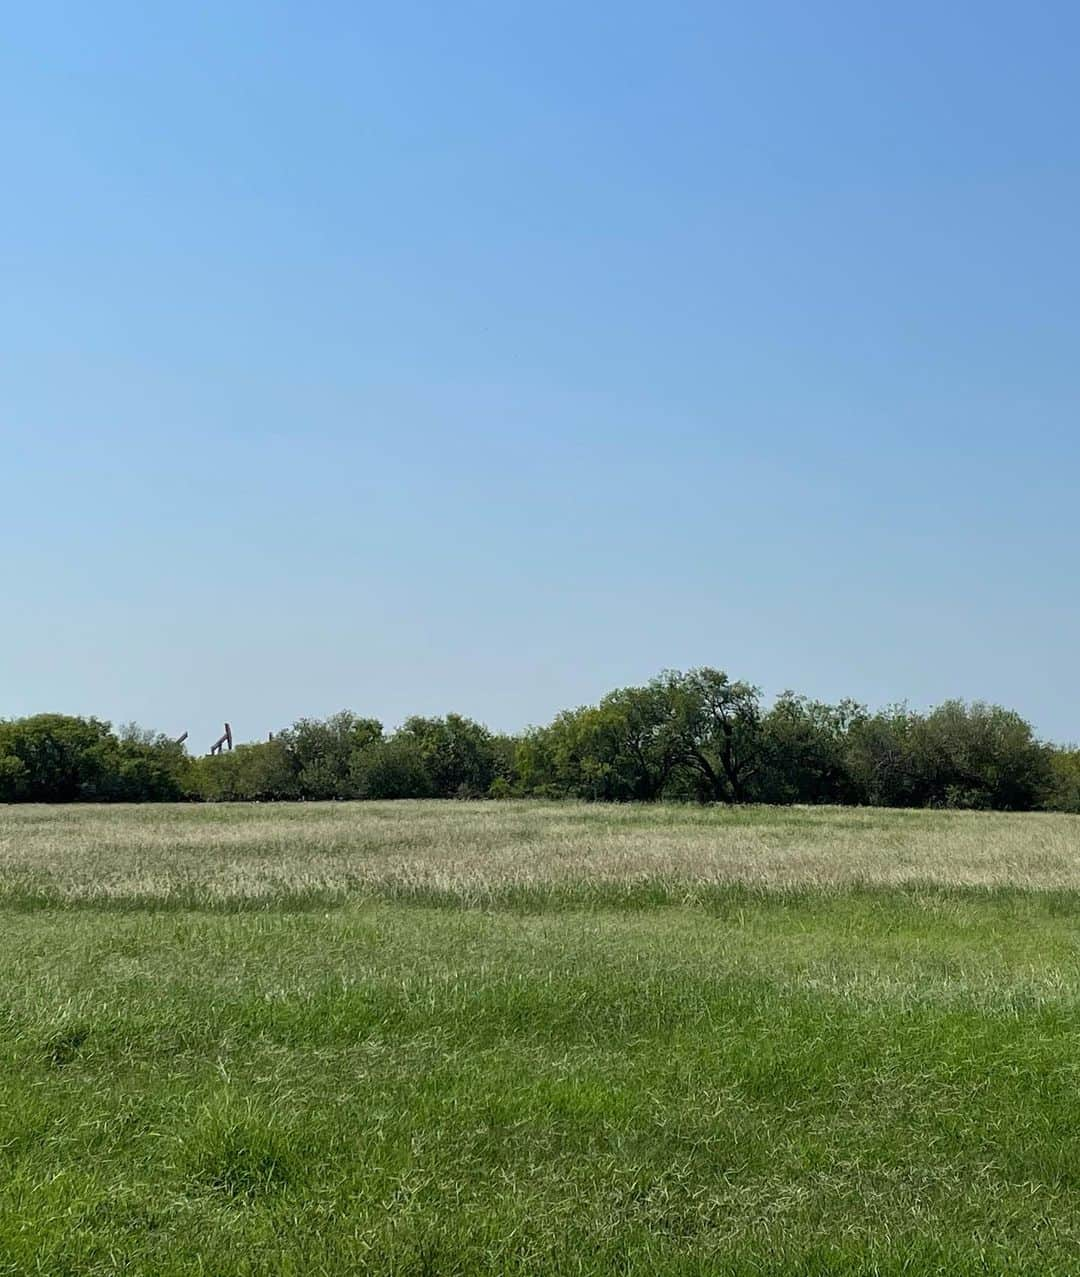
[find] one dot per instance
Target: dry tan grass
(262, 852)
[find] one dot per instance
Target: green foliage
(721, 733)
(142, 766)
(803, 745)
(695, 735)
(1063, 788)
(639, 735)
(321, 752)
(391, 768)
(13, 778)
(979, 756)
(698, 736)
(249, 773)
(59, 758)
(879, 758)
(957, 756)
(458, 755)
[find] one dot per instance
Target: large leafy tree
(460, 756)
(719, 728)
(804, 750)
(58, 758)
(321, 752)
(978, 755)
(878, 758)
(639, 727)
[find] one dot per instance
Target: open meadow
(532, 1038)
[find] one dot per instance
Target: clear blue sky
(483, 357)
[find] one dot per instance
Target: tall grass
(803, 1042)
(490, 853)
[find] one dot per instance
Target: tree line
(697, 736)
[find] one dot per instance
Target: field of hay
(526, 1038)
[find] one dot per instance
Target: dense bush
(251, 773)
(345, 756)
(392, 768)
(56, 758)
(696, 736)
(702, 736)
(1063, 789)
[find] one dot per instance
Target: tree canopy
(697, 736)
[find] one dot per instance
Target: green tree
(804, 751)
(321, 752)
(62, 758)
(574, 756)
(459, 755)
(637, 731)
(261, 772)
(1062, 791)
(13, 777)
(878, 755)
(138, 765)
(978, 755)
(720, 732)
(392, 767)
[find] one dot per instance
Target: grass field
(424, 1038)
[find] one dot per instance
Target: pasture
(529, 1038)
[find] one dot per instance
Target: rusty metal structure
(224, 739)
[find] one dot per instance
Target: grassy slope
(864, 1078)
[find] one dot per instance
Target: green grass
(482, 1071)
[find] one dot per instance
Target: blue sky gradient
(486, 356)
